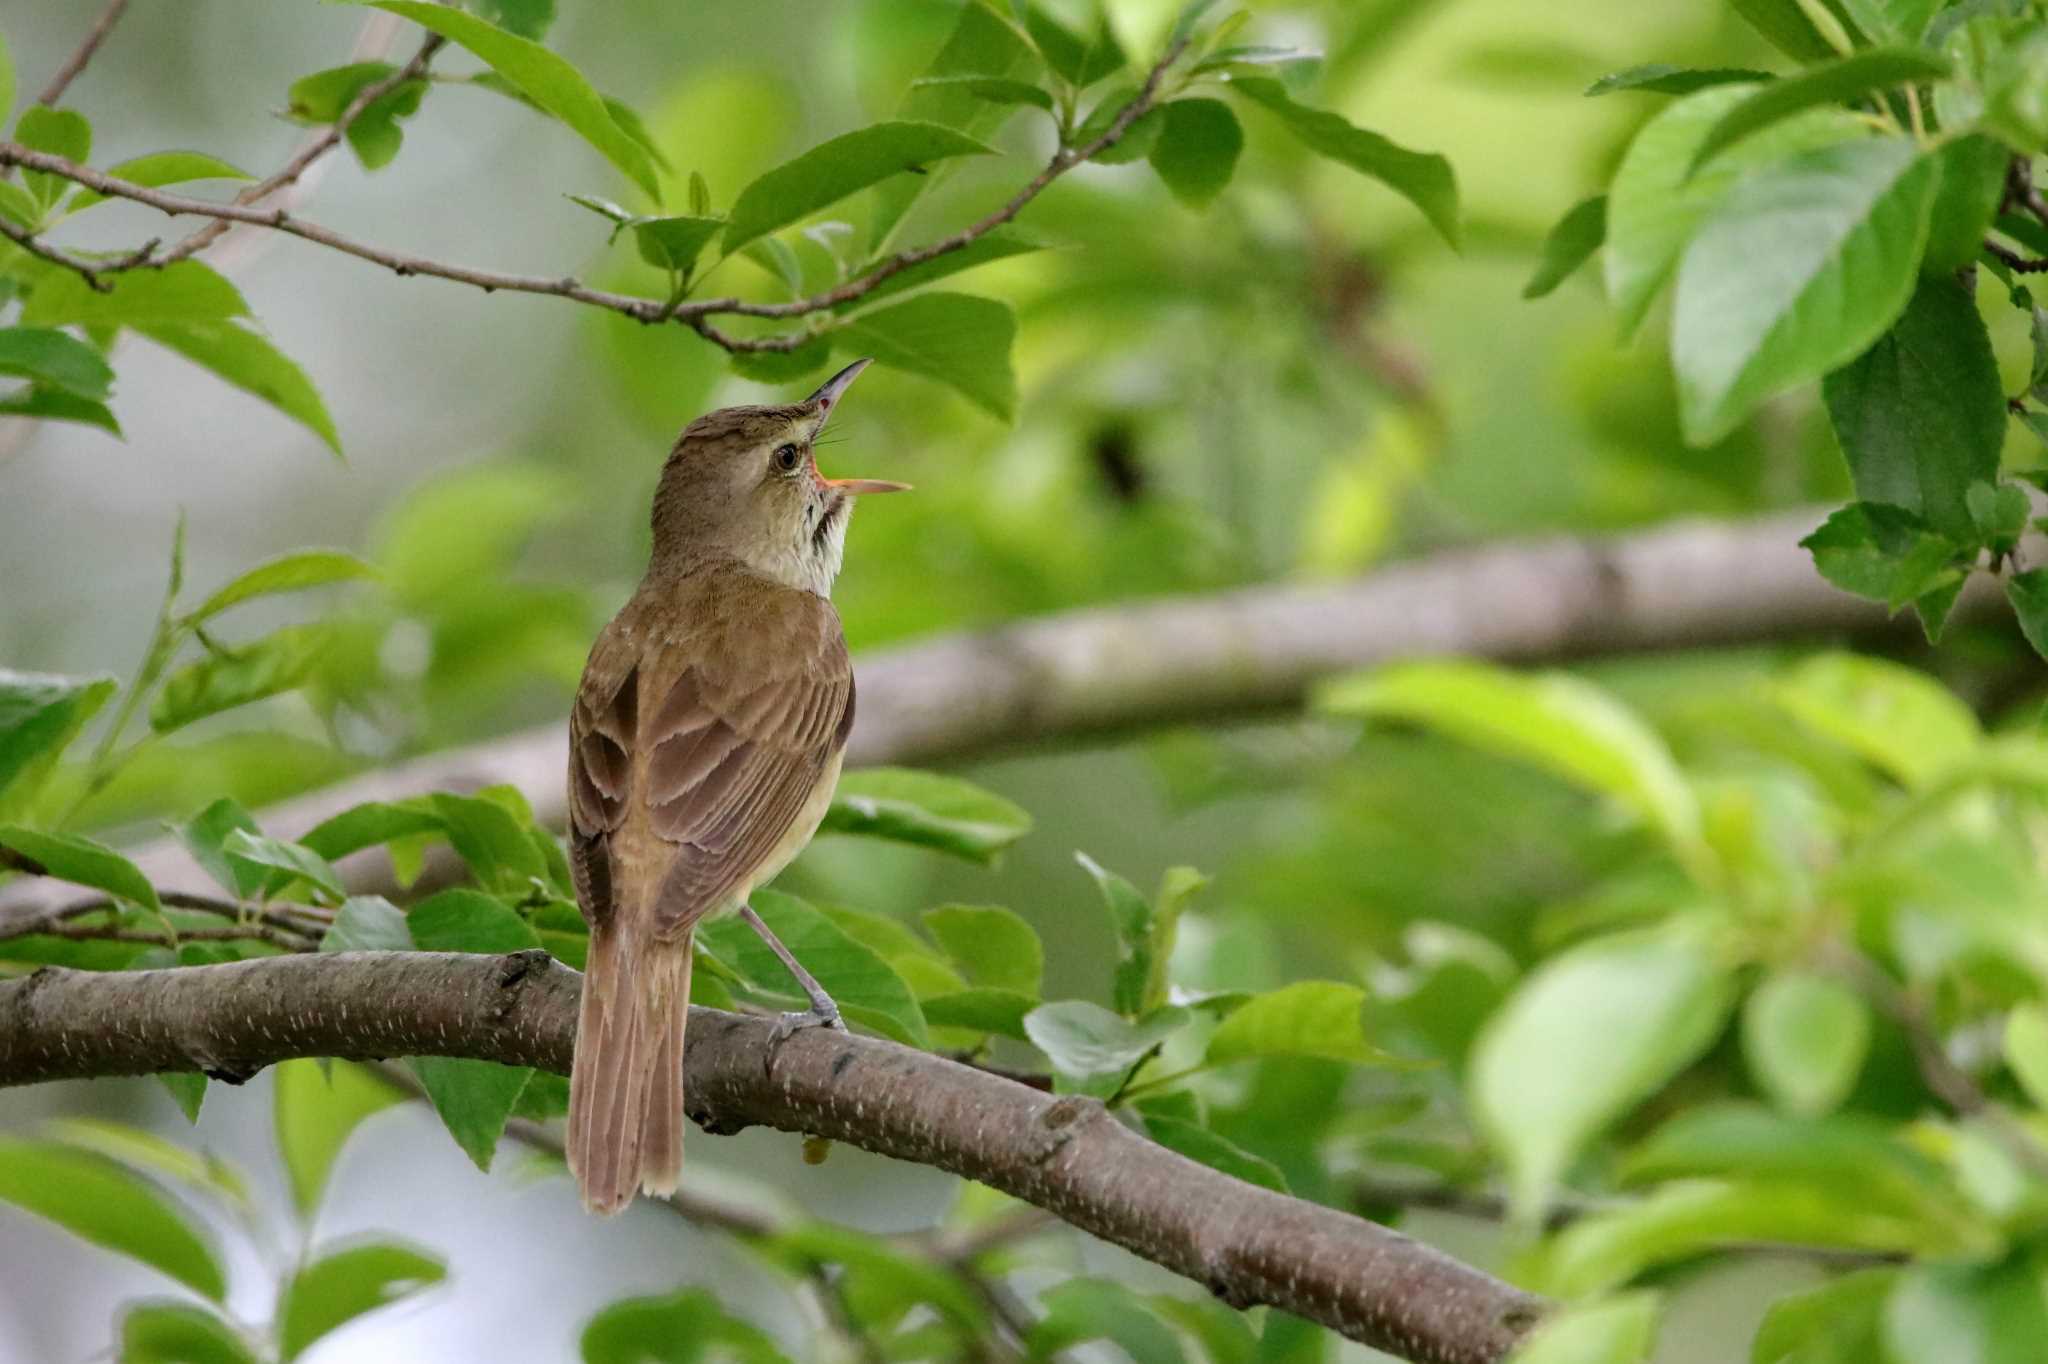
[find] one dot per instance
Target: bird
(704, 745)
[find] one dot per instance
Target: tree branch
(1068, 1155)
(694, 314)
(60, 81)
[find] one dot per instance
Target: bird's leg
(823, 1011)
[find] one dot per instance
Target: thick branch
(1067, 1155)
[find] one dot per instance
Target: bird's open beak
(826, 398)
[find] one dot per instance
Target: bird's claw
(820, 1015)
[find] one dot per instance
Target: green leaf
(994, 946)
(341, 1285)
(1322, 1018)
(294, 572)
(1836, 82)
(148, 1153)
(1571, 244)
(2028, 593)
(186, 292)
(674, 243)
(367, 923)
(81, 861)
(1998, 512)
(981, 1010)
(43, 404)
(6, 78)
(158, 169)
(958, 339)
(1094, 1049)
(1585, 1036)
(1894, 717)
(2026, 1050)
(462, 920)
(1144, 941)
(1423, 178)
(246, 359)
(542, 77)
(1197, 149)
(832, 170)
(1100, 1309)
(495, 841)
(1560, 723)
(1139, 136)
(1789, 26)
(179, 1333)
(1079, 61)
(60, 132)
(1884, 552)
(1836, 1323)
(1655, 203)
(1921, 414)
(879, 1277)
(993, 247)
(98, 1201)
(275, 855)
(1198, 1143)
(993, 89)
(867, 988)
(56, 360)
(187, 1089)
(366, 825)
(1804, 265)
(317, 1107)
(1224, 1333)
(1972, 188)
(1804, 1038)
(1616, 1330)
(474, 1098)
(278, 662)
(40, 714)
(1968, 1313)
(1660, 78)
(1291, 64)
(527, 18)
(678, 1329)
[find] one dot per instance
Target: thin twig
(88, 270)
(2014, 261)
(311, 151)
(693, 314)
(75, 63)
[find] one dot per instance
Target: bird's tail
(626, 1085)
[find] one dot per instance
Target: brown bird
(703, 750)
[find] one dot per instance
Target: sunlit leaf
(959, 340)
(54, 359)
(995, 947)
(1894, 717)
(98, 1201)
(158, 169)
(278, 662)
(40, 714)
(927, 809)
(246, 359)
(1804, 1038)
(184, 293)
(81, 861)
(832, 170)
(294, 572)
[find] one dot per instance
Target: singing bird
(703, 749)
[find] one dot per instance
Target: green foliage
(91, 1197)
(925, 809)
(829, 172)
(341, 1285)
(317, 1108)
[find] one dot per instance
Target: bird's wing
(727, 757)
(603, 727)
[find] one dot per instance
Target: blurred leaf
(1423, 178)
(1084, 1309)
(40, 714)
(278, 662)
(45, 404)
(527, 18)
(276, 855)
(1093, 1048)
(1587, 1034)
(1972, 188)
(1921, 414)
(1656, 203)
(994, 246)
(341, 1285)
(324, 96)
(679, 1329)
(186, 292)
(366, 825)
(55, 359)
(1079, 61)
(1836, 82)
(1223, 1332)
(1892, 716)
(158, 169)
(1805, 264)
(542, 77)
(674, 243)
(83, 862)
(1560, 723)
(178, 1333)
(996, 947)
(982, 1010)
(60, 132)
(1308, 1018)
(98, 1201)
(294, 572)
(1789, 26)
(1258, 59)
(496, 843)
(1967, 1314)
(1660, 78)
(926, 809)
(993, 89)
(1614, 1330)
(473, 1098)
(1804, 1038)
(866, 987)
(1571, 244)
(462, 920)
(832, 170)
(1836, 1323)
(1197, 149)
(958, 339)
(2028, 593)
(877, 1273)
(148, 1153)
(1888, 554)
(1198, 1143)
(6, 79)
(2026, 1050)
(464, 528)
(246, 359)
(316, 1110)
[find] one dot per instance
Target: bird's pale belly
(807, 821)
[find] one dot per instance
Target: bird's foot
(823, 1013)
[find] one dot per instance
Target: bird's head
(742, 483)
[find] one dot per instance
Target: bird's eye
(786, 457)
